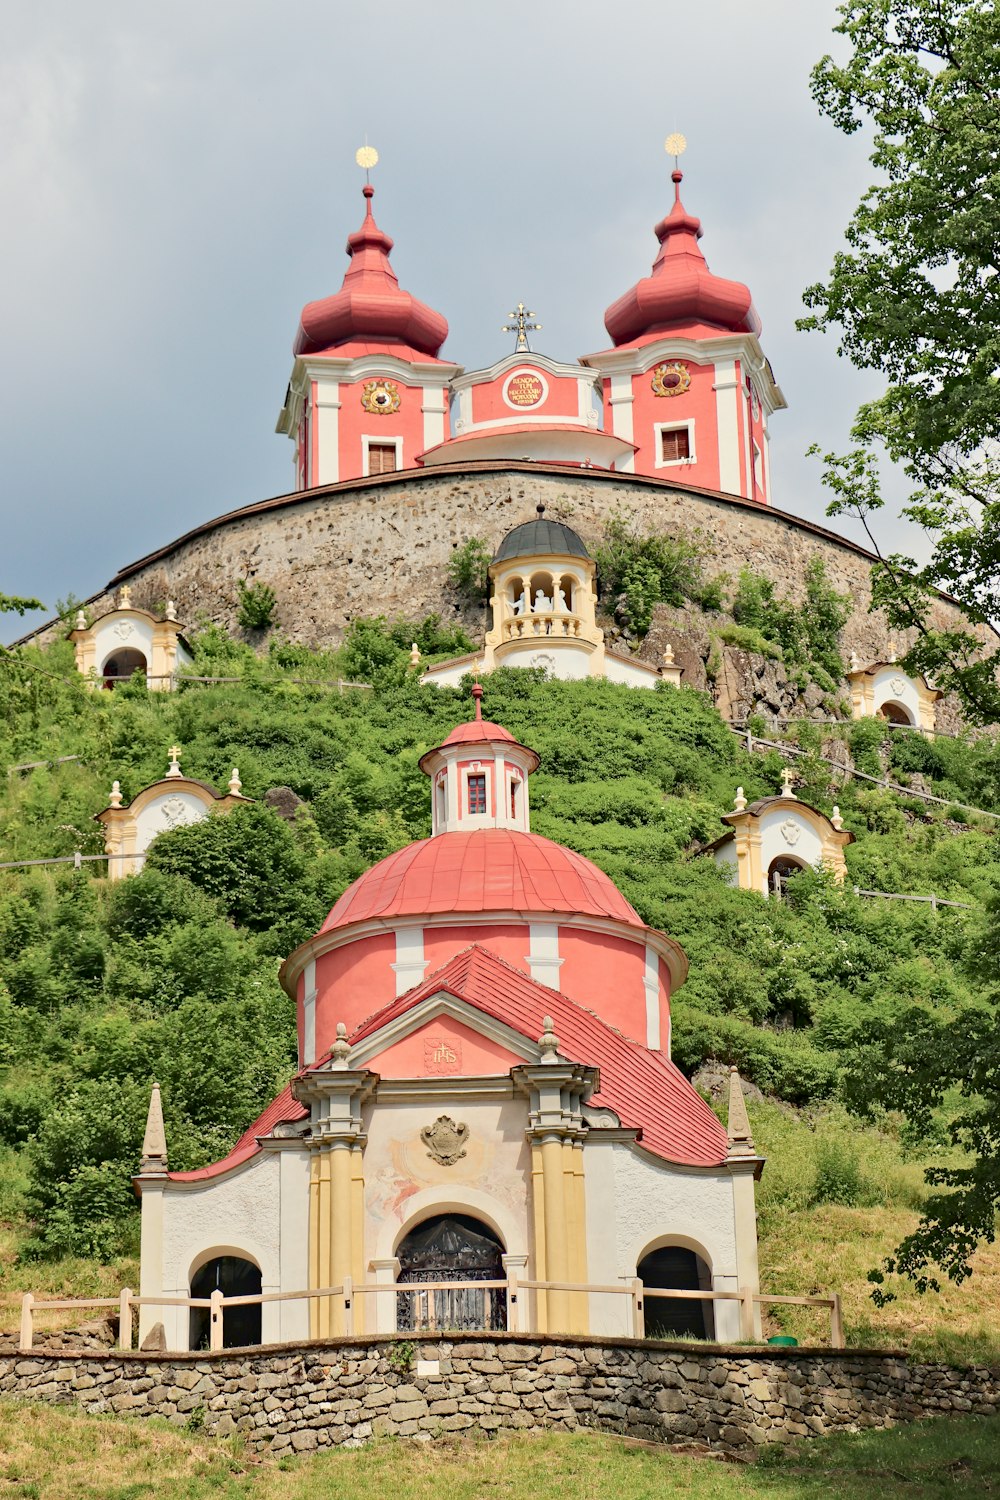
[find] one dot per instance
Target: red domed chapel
(484, 1094)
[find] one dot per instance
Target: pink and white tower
(368, 391)
(687, 383)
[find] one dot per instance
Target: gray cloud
(179, 180)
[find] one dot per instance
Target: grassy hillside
(61, 1455)
(103, 988)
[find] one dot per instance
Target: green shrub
(255, 604)
(838, 1176)
(807, 633)
(748, 639)
(641, 570)
(468, 570)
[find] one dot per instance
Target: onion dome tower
(368, 392)
(687, 382)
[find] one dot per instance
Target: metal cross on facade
(521, 327)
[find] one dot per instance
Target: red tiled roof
(490, 869)
(476, 730)
(279, 1110)
(646, 1091)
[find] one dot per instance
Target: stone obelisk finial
(738, 1128)
(154, 1142)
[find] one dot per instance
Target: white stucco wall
(635, 1203)
(616, 670)
(260, 1211)
(117, 634)
(891, 685)
(403, 1183)
(168, 809)
(786, 833)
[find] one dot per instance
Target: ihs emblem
(380, 397)
(671, 380)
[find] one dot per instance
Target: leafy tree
(916, 296)
(12, 604)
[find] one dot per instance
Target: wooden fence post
(125, 1318)
(746, 1314)
(27, 1322)
(836, 1323)
(215, 1325)
(513, 1310)
(348, 1305)
(638, 1311)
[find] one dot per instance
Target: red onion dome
(370, 305)
(681, 288)
(488, 869)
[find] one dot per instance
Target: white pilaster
(651, 984)
(308, 1015)
(544, 962)
(410, 965)
(622, 425)
(326, 420)
(434, 410)
(727, 426)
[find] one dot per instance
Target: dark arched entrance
(451, 1247)
(677, 1269)
(233, 1277)
(895, 713)
(780, 871)
(122, 664)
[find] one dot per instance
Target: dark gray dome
(540, 537)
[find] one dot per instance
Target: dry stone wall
(300, 1398)
(383, 546)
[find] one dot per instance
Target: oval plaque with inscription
(524, 389)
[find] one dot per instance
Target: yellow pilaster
(580, 1258)
(325, 1277)
(556, 1238)
(358, 1231)
(314, 1217)
(538, 1204)
(341, 1236)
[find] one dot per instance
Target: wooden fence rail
(512, 1285)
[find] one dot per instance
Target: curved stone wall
(302, 1397)
(382, 546)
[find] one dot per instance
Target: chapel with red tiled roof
(484, 1092)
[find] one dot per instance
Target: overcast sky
(178, 179)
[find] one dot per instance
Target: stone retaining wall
(318, 1395)
(382, 546)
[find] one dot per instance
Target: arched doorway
(121, 665)
(675, 1268)
(451, 1247)
(780, 871)
(895, 713)
(233, 1277)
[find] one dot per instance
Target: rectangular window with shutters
(382, 458)
(676, 444)
(477, 794)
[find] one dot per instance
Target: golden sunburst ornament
(671, 380)
(367, 157)
(675, 145)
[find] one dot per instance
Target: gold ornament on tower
(381, 397)
(671, 380)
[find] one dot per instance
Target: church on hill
(485, 1094)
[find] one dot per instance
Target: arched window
(121, 665)
(677, 1269)
(451, 1247)
(233, 1277)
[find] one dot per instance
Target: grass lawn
(52, 1454)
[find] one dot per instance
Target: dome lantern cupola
(479, 777)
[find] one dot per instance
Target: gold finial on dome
(675, 145)
(366, 157)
